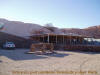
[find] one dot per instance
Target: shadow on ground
(83, 52)
(21, 55)
(57, 54)
(0, 61)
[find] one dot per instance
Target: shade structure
(59, 38)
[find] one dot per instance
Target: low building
(60, 38)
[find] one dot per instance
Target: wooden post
(39, 39)
(43, 38)
(87, 40)
(92, 41)
(80, 40)
(70, 39)
(63, 39)
(48, 38)
(56, 39)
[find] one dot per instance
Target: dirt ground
(17, 62)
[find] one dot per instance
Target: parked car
(9, 45)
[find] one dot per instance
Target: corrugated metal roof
(52, 34)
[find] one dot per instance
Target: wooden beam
(48, 38)
(63, 39)
(70, 39)
(56, 39)
(43, 38)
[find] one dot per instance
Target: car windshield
(10, 43)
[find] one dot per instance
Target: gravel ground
(17, 62)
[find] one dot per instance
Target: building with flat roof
(60, 38)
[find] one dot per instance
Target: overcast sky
(62, 13)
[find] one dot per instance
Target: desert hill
(22, 29)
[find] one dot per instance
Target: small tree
(1, 26)
(50, 27)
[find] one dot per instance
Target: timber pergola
(59, 38)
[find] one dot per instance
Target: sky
(61, 13)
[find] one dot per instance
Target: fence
(91, 48)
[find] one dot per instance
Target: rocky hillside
(93, 31)
(22, 29)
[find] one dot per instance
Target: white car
(9, 45)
